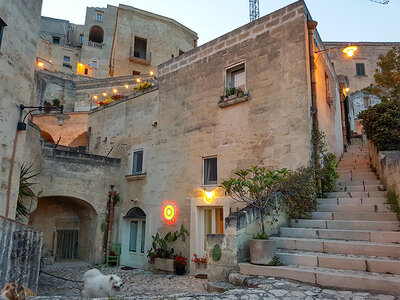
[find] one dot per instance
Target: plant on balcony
(56, 102)
(231, 93)
(143, 86)
(110, 99)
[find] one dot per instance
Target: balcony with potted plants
(233, 96)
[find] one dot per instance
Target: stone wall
(20, 252)
(50, 28)
(17, 63)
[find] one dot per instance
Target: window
(81, 38)
(367, 102)
(86, 71)
(2, 26)
(210, 170)
(134, 73)
(137, 161)
(94, 63)
(360, 69)
(96, 34)
(67, 62)
(181, 52)
(140, 48)
(99, 17)
(133, 236)
(56, 40)
(327, 89)
(236, 77)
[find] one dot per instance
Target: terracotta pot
(261, 251)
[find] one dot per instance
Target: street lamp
(349, 50)
(60, 116)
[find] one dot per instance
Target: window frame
(133, 151)
(2, 27)
(81, 37)
(53, 38)
(363, 69)
(204, 169)
(99, 17)
(229, 70)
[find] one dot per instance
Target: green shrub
(393, 200)
(328, 172)
(381, 123)
(275, 261)
(261, 236)
(299, 191)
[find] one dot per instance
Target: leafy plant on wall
(25, 192)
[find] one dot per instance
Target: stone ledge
(229, 102)
(134, 177)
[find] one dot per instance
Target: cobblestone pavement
(139, 284)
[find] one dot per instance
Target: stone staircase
(352, 240)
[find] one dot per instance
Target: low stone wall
(387, 165)
(239, 228)
(20, 252)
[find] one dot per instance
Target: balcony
(95, 45)
(140, 57)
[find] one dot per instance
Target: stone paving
(139, 284)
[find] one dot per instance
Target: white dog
(97, 285)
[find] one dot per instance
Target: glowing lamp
(104, 94)
(350, 50)
(126, 86)
(208, 196)
(95, 97)
(138, 80)
(151, 73)
(169, 212)
(40, 64)
(80, 64)
(347, 90)
(115, 91)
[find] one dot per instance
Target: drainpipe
(312, 25)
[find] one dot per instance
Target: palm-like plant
(25, 191)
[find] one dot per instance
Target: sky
(338, 20)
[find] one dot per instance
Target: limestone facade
(19, 26)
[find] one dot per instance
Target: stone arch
(69, 227)
(136, 212)
(79, 141)
(47, 136)
(96, 34)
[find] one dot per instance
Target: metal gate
(67, 244)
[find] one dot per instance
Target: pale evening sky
(339, 20)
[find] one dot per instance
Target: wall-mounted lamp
(138, 80)
(208, 196)
(60, 116)
(151, 73)
(349, 51)
(40, 64)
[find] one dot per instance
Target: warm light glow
(151, 73)
(169, 212)
(95, 97)
(208, 196)
(138, 80)
(80, 64)
(126, 86)
(115, 91)
(350, 50)
(104, 94)
(347, 89)
(40, 64)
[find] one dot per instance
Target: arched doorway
(96, 34)
(133, 238)
(47, 136)
(69, 227)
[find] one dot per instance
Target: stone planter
(232, 97)
(261, 251)
(164, 264)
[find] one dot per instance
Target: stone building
(114, 41)
(360, 70)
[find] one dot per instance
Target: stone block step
(346, 279)
(370, 176)
(347, 225)
(374, 216)
(345, 182)
(351, 201)
(355, 194)
(341, 234)
(362, 208)
(340, 261)
(338, 246)
(359, 188)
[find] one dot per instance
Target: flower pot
(180, 270)
(261, 251)
(164, 264)
(232, 97)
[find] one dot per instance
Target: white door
(133, 242)
(212, 223)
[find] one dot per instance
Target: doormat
(126, 268)
(201, 276)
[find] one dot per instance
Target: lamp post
(349, 51)
(60, 116)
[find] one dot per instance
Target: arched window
(96, 34)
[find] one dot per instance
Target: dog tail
(91, 273)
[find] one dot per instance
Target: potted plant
(201, 262)
(230, 93)
(56, 102)
(239, 92)
(180, 265)
(258, 187)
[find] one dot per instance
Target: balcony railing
(140, 56)
(96, 45)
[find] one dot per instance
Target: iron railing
(95, 45)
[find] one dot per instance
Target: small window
(140, 49)
(134, 73)
(56, 40)
(327, 89)
(360, 69)
(2, 26)
(133, 236)
(67, 59)
(210, 171)
(99, 17)
(181, 52)
(86, 71)
(236, 77)
(367, 102)
(94, 63)
(81, 38)
(137, 162)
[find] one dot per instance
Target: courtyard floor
(139, 284)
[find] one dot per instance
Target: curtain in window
(210, 171)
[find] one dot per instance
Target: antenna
(254, 8)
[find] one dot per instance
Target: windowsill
(210, 185)
(134, 177)
(361, 76)
(229, 102)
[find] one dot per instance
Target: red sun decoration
(169, 212)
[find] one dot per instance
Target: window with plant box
(2, 26)
(235, 77)
(137, 161)
(360, 69)
(210, 170)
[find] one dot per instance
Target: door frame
(126, 255)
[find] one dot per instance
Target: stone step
(351, 201)
(340, 261)
(353, 177)
(369, 194)
(359, 188)
(346, 279)
(338, 246)
(347, 225)
(341, 234)
(345, 182)
(374, 216)
(362, 208)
